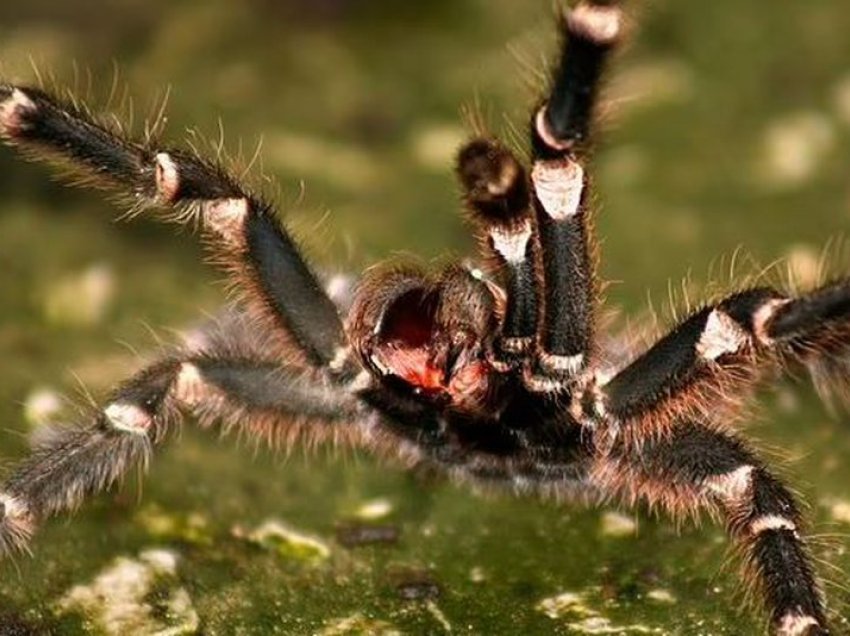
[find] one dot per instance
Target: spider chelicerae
(501, 377)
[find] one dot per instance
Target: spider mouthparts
(412, 365)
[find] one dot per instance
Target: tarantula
(498, 378)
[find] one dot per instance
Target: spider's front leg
(264, 400)
(708, 365)
(540, 235)
(695, 469)
(260, 258)
(560, 137)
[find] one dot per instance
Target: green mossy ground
(733, 129)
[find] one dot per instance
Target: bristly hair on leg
(244, 236)
(16, 525)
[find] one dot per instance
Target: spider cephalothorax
(500, 375)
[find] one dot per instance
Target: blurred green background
(729, 127)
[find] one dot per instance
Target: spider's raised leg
(544, 244)
(261, 400)
(245, 238)
(696, 469)
(560, 139)
(708, 364)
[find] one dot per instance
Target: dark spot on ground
(354, 534)
(415, 585)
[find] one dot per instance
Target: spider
(496, 378)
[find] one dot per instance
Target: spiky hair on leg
(241, 231)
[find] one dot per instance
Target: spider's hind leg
(696, 469)
(261, 259)
(261, 400)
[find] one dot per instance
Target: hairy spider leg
(708, 364)
(560, 136)
(696, 468)
(260, 258)
(545, 246)
(260, 400)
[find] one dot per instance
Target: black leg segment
(591, 31)
(711, 360)
(704, 364)
(821, 310)
(561, 204)
(560, 131)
